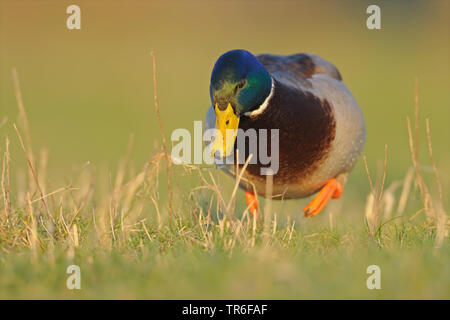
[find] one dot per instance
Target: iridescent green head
(239, 79)
(239, 84)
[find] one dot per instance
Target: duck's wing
(318, 79)
(298, 67)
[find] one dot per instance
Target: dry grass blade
(238, 180)
(414, 147)
(380, 195)
(23, 119)
(33, 241)
(163, 137)
(407, 182)
(268, 204)
(373, 204)
(53, 193)
(435, 170)
(34, 173)
(372, 190)
(424, 193)
(441, 215)
(5, 181)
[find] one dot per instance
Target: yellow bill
(227, 124)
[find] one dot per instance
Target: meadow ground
(77, 189)
(203, 243)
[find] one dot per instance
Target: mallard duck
(321, 126)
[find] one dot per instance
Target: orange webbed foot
(332, 189)
(252, 202)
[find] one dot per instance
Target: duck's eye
(240, 85)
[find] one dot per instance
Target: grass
(130, 242)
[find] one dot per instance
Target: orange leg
(333, 189)
(252, 202)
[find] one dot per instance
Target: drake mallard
(321, 126)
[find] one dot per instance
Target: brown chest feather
(306, 127)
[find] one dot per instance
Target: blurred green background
(86, 91)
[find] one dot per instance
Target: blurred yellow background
(86, 91)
